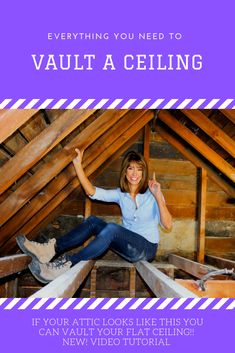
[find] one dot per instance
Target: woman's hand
(155, 187)
(78, 159)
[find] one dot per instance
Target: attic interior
(192, 153)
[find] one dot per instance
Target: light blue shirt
(141, 217)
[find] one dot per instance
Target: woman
(142, 206)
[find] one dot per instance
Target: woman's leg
(133, 247)
(77, 236)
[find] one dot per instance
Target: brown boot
(49, 271)
(43, 252)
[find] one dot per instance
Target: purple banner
(104, 325)
(169, 54)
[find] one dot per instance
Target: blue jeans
(131, 246)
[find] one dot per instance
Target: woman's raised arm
(88, 187)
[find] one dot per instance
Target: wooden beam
(220, 262)
(147, 133)
(160, 284)
(56, 163)
(40, 146)
(193, 268)
(198, 144)
(67, 284)
(11, 120)
(201, 216)
(214, 288)
(217, 134)
(220, 244)
(229, 113)
(192, 157)
(13, 264)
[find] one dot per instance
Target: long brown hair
(133, 156)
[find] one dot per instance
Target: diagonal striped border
(118, 103)
(117, 303)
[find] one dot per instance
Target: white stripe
(165, 303)
(59, 103)
(17, 104)
(73, 104)
(220, 303)
(211, 103)
(206, 303)
(231, 306)
(226, 103)
(178, 303)
(12, 303)
(109, 303)
(95, 303)
(128, 104)
(53, 304)
(2, 300)
(137, 303)
(45, 103)
(198, 103)
(170, 103)
(151, 303)
(184, 104)
(4, 103)
(40, 303)
(87, 103)
(31, 104)
(192, 303)
(68, 303)
(26, 303)
(101, 103)
(123, 303)
(142, 104)
(115, 103)
(82, 303)
(156, 103)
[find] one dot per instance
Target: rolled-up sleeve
(111, 195)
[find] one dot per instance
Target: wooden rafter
(198, 144)
(192, 157)
(193, 268)
(40, 146)
(160, 284)
(229, 113)
(11, 120)
(218, 135)
(68, 283)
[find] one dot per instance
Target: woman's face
(134, 173)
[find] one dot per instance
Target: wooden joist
(198, 144)
(13, 264)
(229, 113)
(67, 284)
(11, 120)
(218, 135)
(193, 268)
(40, 146)
(160, 284)
(220, 244)
(220, 262)
(192, 157)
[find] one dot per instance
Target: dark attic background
(192, 153)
